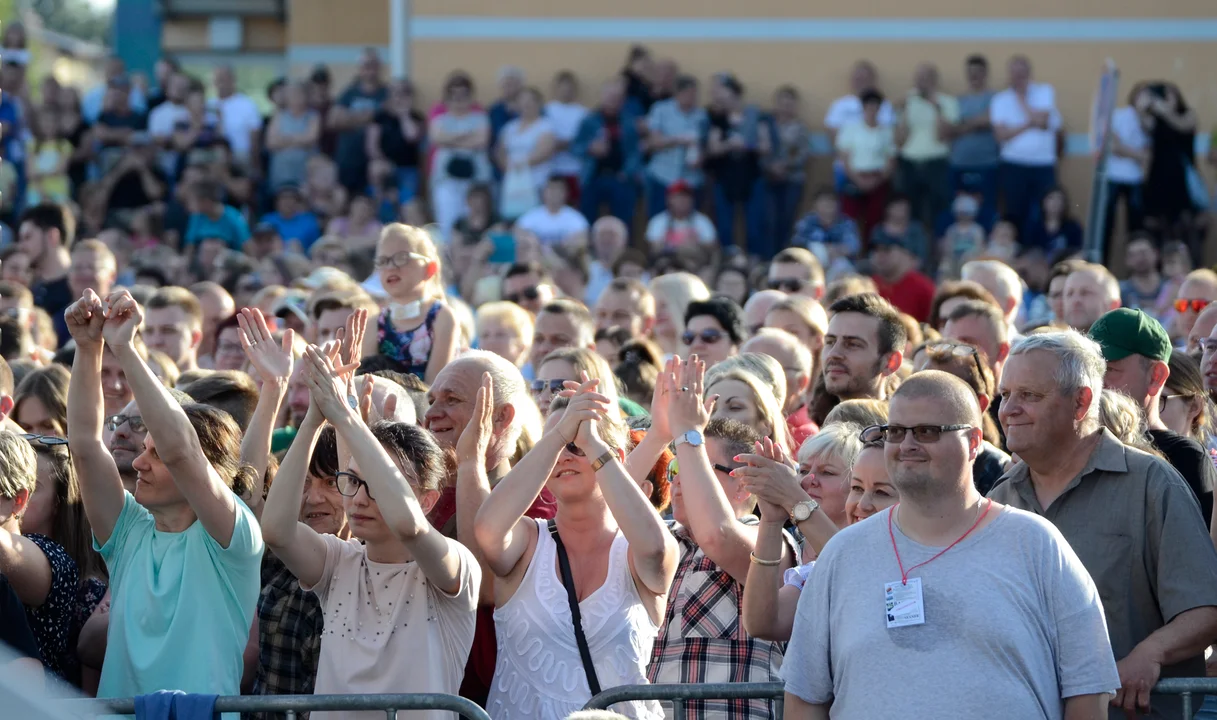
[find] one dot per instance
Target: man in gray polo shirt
(1129, 516)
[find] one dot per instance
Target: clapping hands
(328, 381)
(272, 361)
(679, 396)
(580, 419)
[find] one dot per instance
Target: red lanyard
(904, 574)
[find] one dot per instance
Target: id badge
(903, 603)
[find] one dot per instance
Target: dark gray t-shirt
(1013, 625)
(975, 149)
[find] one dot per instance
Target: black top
(128, 192)
(55, 297)
(1193, 463)
(52, 620)
(393, 143)
(737, 170)
(614, 161)
(15, 629)
(987, 469)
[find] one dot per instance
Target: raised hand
(351, 337)
(586, 405)
(661, 399)
(123, 318)
(688, 411)
(273, 361)
(475, 438)
(327, 389)
(85, 318)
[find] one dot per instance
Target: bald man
(797, 361)
(758, 307)
(900, 591)
(1201, 329)
(1090, 291)
(1197, 291)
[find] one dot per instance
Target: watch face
(694, 438)
(801, 512)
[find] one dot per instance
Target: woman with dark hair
(184, 551)
(40, 402)
(1171, 125)
(1185, 406)
(398, 589)
(1055, 230)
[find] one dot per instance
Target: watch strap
(602, 460)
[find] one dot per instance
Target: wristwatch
(802, 511)
(693, 437)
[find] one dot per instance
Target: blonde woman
(505, 329)
(1122, 415)
(568, 365)
(764, 367)
(673, 293)
(744, 397)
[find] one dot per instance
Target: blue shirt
(182, 605)
(230, 227)
(12, 147)
(303, 228)
(843, 231)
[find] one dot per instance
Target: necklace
(904, 574)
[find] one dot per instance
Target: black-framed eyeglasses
(349, 484)
(674, 468)
(554, 386)
(531, 294)
(48, 440)
(708, 336)
(399, 260)
(135, 422)
(1163, 398)
(923, 434)
(960, 351)
(790, 285)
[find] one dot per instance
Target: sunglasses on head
(674, 468)
(554, 386)
(1195, 305)
(791, 285)
(957, 350)
(708, 336)
(529, 293)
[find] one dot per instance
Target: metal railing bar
(293, 704)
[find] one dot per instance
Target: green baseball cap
(1124, 331)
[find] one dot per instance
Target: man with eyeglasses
(1137, 350)
(1197, 291)
(1131, 519)
(796, 271)
(928, 588)
(1201, 329)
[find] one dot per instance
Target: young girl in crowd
(398, 590)
(418, 328)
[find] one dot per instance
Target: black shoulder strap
(585, 654)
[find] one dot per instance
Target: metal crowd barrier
(290, 705)
(680, 693)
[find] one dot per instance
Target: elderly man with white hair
(480, 408)
(1129, 516)
(799, 366)
(1091, 291)
(1003, 282)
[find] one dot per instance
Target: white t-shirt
(869, 148)
(848, 109)
(381, 619)
(519, 142)
(239, 117)
(1033, 146)
(553, 228)
(1126, 126)
(565, 118)
(164, 117)
(1013, 624)
(665, 231)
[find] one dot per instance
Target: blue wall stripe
(816, 29)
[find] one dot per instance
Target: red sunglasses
(1196, 305)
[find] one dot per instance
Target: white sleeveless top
(538, 674)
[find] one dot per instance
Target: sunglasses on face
(895, 434)
(573, 449)
(399, 260)
(529, 293)
(48, 440)
(791, 285)
(136, 423)
(349, 484)
(674, 468)
(709, 336)
(554, 386)
(1195, 305)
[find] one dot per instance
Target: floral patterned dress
(411, 348)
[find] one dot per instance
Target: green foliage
(77, 18)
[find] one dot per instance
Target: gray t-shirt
(669, 165)
(1013, 625)
(975, 149)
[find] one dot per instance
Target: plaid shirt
(702, 639)
(289, 630)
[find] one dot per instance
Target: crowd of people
(546, 450)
